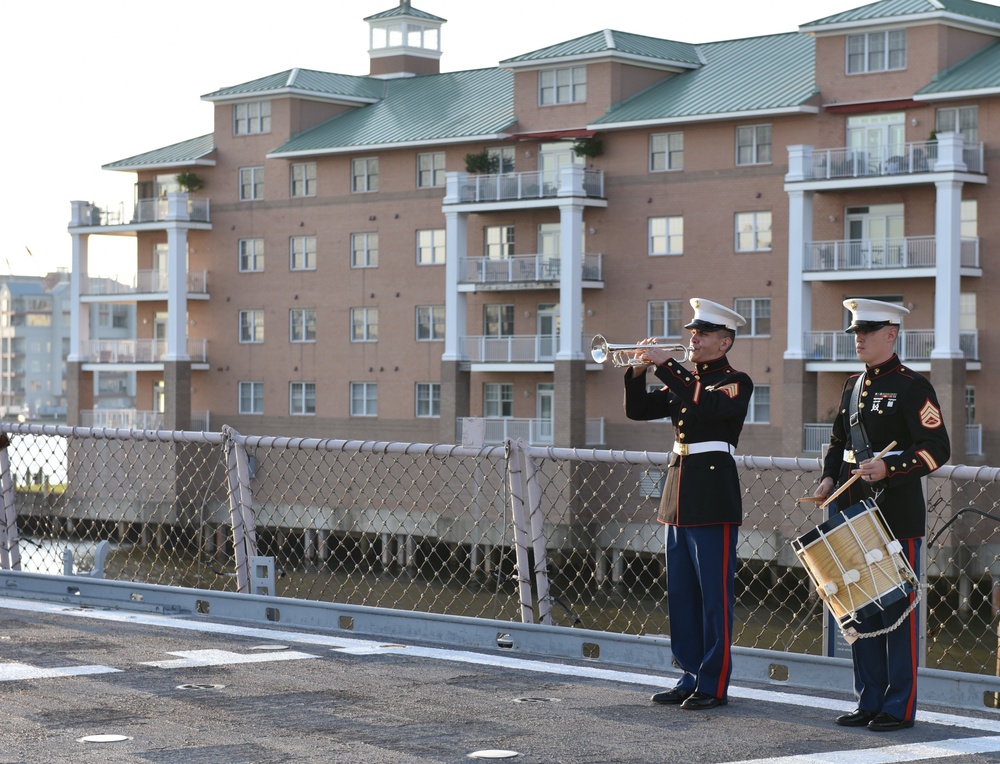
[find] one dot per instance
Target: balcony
(145, 282)
(574, 183)
(816, 436)
(134, 419)
(908, 159)
(536, 352)
(522, 272)
(536, 432)
(908, 257)
(913, 346)
(138, 352)
(146, 214)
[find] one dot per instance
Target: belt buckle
(682, 449)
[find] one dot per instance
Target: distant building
(35, 341)
(385, 256)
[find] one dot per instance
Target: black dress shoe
(856, 718)
(673, 697)
(887, 723)
(700, 700)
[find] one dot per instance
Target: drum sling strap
(860, 444)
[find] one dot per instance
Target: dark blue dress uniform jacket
(708, 404)
(899, 405)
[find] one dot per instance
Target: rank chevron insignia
(930, 416)
(732, 389)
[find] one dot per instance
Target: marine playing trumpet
(630, 355)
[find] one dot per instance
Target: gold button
(684, 411)
(861, 405)
(867, 382)
(864, 393)
(680, 436)
(680, 423)
(712, 467)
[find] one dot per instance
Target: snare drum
(857, 566)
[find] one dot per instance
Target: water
(37, 458)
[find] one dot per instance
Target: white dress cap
(869, 315)
(711, 317)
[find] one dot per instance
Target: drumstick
(855, 476)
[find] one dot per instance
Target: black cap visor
(867, 326)
(706, 326)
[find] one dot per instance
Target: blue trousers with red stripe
(701, 572)
(885, 667)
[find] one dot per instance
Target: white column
(570, 281)
(456, 249)
(79, 314)
(948, 264)
(176, 295)
(800, 218)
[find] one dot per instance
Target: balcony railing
(816, 436)
(139, 351)
(911, 345)
(524, 185)
(144, 282)
(521, 348)
(522, 269)
(874, 254)
(537, 432)
(145, 211)
(900, 159)
(135, 419)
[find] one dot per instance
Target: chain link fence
(560, 536)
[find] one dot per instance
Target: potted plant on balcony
(589, 147)
(189, 182)
(481, 163)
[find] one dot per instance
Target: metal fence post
(240, 507)
(517, 492)
(10, 550)
(538, 544)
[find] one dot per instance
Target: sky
(88, 85)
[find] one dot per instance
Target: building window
(499, 242)
(302, 253)
(430, 322)
(964, 120)
(302, 325)
(364, 250)
(970, 404)
(428, 399)
(969, 221)
(364, 175)
(498, 320)
(876, 51)
(364, 399)
(251, 326)
(498, 400)
(760, 405)
(757, 312)
(753, 231)
(430, 246)
(666, 152)
(666, 235)
(252, 118)
(364, 324)
(665, 318)
(501, 159)
(753, 144)
(564, 85)
(251, 255)
(251, 397)
(430, 170)
(302, 398)
(251, 183)
(303, 179)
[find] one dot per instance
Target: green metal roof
(189, 152)
(611, 42)
(979, 72)
(305, 81)
(738, 76)
(884, 11)
(404, 9)
(432, 108)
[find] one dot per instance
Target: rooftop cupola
(404, 42)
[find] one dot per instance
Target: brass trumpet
(625, 355)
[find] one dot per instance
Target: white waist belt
(849, 456)
(686, 449)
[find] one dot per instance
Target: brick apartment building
(384, 256)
